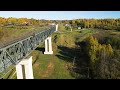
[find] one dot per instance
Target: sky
(61, 15)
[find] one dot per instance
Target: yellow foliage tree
(97, 52)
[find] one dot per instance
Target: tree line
(106, 24)
(102, 59)
(22, 21)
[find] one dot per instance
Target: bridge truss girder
(15, 52)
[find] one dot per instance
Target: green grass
(61, 27)
(51, 66)
(7, 73)
(16, 32)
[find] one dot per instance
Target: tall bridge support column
(48, 46)
(27, 72)
(56, 28)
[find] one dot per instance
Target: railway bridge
(16, 53)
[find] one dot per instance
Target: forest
(106, 24)
(102, 56)
(99, 55)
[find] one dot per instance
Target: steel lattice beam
(15, 52)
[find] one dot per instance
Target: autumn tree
(107, 24)
(99, 57)
(91, 49)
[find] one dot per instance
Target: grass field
(56, 66)
(9, 33)
(51, 67)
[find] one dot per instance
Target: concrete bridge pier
(56, 28)
(24, 69)
(48, 46)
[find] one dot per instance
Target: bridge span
(16, 52)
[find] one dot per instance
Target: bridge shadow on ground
(77, 58)
(40, 49)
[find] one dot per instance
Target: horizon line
(58, 19)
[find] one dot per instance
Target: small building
(79, 27)
(67, 25)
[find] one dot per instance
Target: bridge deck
(13, 52)
(8, 42)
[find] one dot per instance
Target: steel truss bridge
(14, 52)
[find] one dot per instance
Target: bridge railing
(13, 53)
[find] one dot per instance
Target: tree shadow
(35, 60)
(40, 49)
(66, 53)
(65, 58)
(77, 58)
